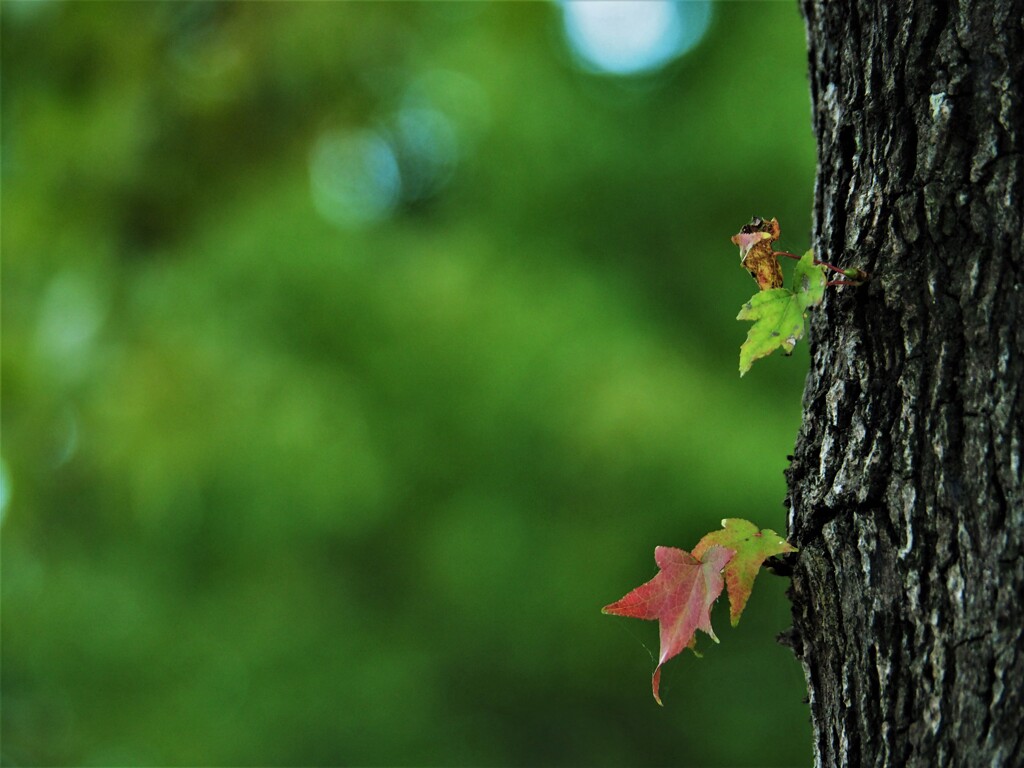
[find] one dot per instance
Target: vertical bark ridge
(906, 491)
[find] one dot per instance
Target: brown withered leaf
(757, 255)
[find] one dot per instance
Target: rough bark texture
(905, 489)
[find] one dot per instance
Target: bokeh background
(355, 354)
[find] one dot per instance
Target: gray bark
(906, 498)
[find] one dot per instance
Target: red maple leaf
(679, 597)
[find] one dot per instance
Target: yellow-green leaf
(778, 314)
(752, 548)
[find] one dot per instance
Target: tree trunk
(906, 498)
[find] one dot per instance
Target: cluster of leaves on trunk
(779, 314)
(680, 597)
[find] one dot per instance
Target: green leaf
(810, 281)
(778, 314)
(752, 548)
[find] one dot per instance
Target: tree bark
(906, 498)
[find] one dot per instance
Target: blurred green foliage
(288, 491)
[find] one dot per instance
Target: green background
(282, 490)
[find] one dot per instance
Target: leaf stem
(856, 273)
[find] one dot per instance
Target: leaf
(752, 548)
(679, 597)
(810, 281)
(778, 314)
(778, 322)
(757, 255)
